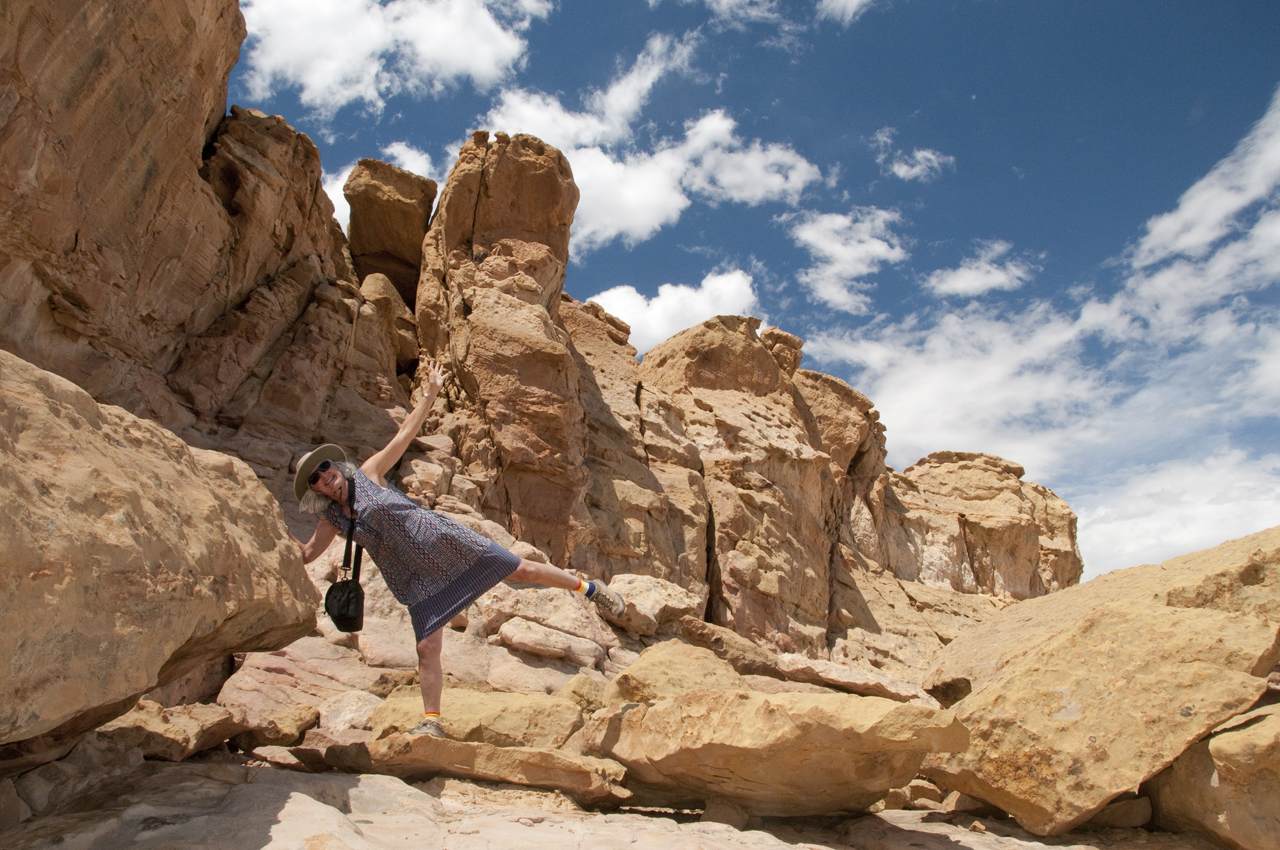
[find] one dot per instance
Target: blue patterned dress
(430, 563)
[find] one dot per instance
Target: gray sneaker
(608, 601)
(431, 728)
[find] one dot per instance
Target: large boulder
(501, 719)
(969, 522)
(132, 559)
(390, 208)
(588, 780)
(1078, 697)
(771, 754)
(1226, 785)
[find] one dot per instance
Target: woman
(432, 564)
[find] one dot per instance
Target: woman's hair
(316, 503)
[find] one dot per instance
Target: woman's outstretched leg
(532, 572)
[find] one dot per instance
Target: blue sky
(1044, 230)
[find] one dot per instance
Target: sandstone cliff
(185, 265)
(787, 591)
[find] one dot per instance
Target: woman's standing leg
(431, 680)
(430, 671)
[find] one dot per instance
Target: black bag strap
(351, 530)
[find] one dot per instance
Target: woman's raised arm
(377, 466)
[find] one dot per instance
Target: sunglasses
(321, 468)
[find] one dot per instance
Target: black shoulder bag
(344, 602)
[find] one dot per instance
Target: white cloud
(630, 193)
(406, 156)
(722, 168)
(1211, 209)
(981, 274)
(333, 183)
(1121, 404)
(609, 113)
(975, 380)
(922, 165)
(843, 12)
(1150, 514)
(845, 248)
(338, 52)
(736, 12)
(677, 306)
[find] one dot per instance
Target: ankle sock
(430, 715)
(586, 588)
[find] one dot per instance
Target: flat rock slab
(590, 781)
(1102, 707)
(784, 754)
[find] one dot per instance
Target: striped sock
(430, 715)
(586, 588)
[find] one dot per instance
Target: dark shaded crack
(715, 581)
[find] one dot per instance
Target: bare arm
(377, 466)
(319, 541)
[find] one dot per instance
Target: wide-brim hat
(310, 461)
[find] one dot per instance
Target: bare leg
(609, 601)
(430, 672)
(532, 572)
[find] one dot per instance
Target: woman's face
(332, 484)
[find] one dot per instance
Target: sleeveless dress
(430, 563)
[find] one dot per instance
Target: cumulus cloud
(339, 52)
(922, 165)
(845, 249)
(983, 273)
(333, 183)
(1144, 408)
(1149, 514)
(843, 12)
(406, 156)
(678, 306)
(630, 193)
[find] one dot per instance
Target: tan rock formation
(501, 719)
(771, 754)
(590, 781)
(1226, 785)
(1080, 696)
(493, 269)
(133, 559)
(768, 484)
(126, 252)
(667, 670)
(280, 693)
(390, 208)
(172, 734)
(969, 522)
